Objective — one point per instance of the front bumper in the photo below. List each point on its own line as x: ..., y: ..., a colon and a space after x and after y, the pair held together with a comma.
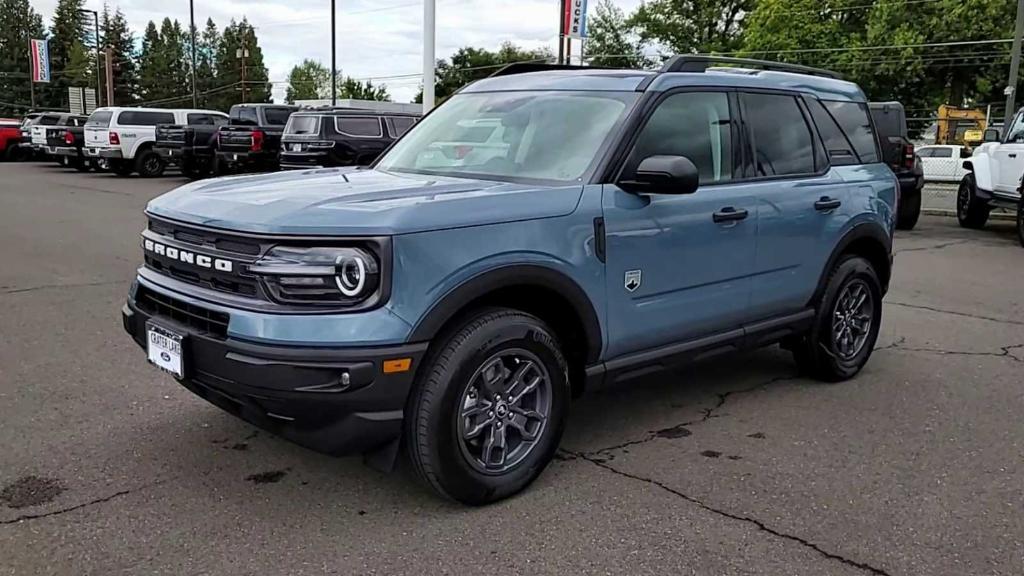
x: 109, y: 153
x: 295, y: 392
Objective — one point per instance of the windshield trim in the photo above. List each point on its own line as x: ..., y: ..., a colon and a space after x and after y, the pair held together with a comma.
x: 594, y: 172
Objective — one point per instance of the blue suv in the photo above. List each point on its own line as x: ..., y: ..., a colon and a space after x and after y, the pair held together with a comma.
x: 540, y: 233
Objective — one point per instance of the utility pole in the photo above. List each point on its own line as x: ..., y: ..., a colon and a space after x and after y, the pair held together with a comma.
x: 1011, y: 87
x: 96, y: 20
x: 109, y: 53
x: 429, y: 9
x: 334, y: 59
x: 242, y: 54
x: 192, y: 20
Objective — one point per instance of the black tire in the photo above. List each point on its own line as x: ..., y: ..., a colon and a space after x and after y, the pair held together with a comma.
x: 194, y: 170
x: 820, y: 353
x: 452, y: 377
x: 95, y: 166
x: 910, y: 210
x: 81, y: 165
x: 149, y: 164
x: 971, y: 211
x: 1020, y: 221
x: 121, y: 167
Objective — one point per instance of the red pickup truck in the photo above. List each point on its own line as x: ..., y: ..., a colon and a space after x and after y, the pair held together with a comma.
x: 10, y: 137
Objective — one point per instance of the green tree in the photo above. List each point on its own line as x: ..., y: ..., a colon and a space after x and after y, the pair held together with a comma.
x: 116, y: 35
x: 81, y: 68
x: 611, y: 41
x: 67, y: 29
x: 352, y: 88
x: 153, y: 69
x: 206, y: 53
x: 308, y: 81
x: 236, y: 36
x: 18, y: 23
x: 469, y: 64
x: 688, y: 26
x: 178, y: 80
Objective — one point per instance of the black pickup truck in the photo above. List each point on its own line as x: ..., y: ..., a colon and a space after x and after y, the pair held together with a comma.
x: 64, y: 143
x: 192, y: 147
x: 252, y: 139
x: 898, y: 152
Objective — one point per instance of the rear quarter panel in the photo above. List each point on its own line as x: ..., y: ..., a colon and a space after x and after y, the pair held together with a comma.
x: 873, y: 191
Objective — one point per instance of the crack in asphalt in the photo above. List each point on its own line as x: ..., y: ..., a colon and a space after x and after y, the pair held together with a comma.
x: 93, y: 502
x: 935, y: 247
x: 14, y: 290
x: 956, y: 313
x: 754, y: 521
x: 1006, y: 351
x: 708, y: 413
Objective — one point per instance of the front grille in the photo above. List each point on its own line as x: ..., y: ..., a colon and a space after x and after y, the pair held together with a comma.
x: 241, y: 250
x: 200, y: 319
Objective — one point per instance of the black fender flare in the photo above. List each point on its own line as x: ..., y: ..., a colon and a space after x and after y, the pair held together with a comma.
x: 513, y: 275
x: 871, y: 231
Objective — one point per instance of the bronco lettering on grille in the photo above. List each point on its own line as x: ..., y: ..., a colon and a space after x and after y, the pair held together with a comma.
x: 188, y: 257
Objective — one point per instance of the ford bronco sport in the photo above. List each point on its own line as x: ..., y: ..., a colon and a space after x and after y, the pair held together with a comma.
x: 628, y: 221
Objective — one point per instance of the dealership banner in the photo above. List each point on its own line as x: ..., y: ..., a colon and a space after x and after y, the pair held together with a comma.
x: 574, y: 21
x: 40, y: 54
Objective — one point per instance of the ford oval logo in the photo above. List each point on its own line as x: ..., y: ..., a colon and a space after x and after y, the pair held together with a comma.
x: 165, y: 356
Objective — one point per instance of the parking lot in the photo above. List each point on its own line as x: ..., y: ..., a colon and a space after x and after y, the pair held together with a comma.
x: 736, y: 467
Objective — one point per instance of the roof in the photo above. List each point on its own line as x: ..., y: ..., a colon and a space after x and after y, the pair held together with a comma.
x: 820, y: 83
x: 349, y: 112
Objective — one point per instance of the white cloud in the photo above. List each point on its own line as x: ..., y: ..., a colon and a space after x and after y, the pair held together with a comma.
x: 375, y: 39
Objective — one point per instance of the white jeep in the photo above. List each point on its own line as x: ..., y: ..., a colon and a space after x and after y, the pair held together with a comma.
x: 993, y: 178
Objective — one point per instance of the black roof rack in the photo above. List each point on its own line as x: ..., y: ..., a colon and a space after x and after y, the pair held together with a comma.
x: 695, y: 63
x: 524, y: 67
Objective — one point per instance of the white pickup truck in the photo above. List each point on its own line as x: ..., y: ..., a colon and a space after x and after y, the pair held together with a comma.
x: 993, y: 178
x: 124, y: 137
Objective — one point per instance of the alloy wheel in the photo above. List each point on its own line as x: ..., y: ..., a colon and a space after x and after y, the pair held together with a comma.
x: 851, y: 319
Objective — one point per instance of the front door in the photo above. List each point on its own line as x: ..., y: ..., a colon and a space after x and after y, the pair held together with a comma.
x: 1008, y: 158
x: 679, y: 266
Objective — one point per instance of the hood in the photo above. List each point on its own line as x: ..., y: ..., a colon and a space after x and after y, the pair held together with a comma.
x: 348, y: 201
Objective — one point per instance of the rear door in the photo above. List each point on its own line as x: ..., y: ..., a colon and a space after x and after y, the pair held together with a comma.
x: 362, y: 137
x: 679, y: 266
x: 801, y: 203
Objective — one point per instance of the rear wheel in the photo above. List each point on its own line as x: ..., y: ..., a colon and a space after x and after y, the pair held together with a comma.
x: 846, y: 326
x: 489, y: 406
x: 910, y: 210
x: 149, y: 164
x: 971, y: 211
x: 1020, y: 221
x: 81, y: 165
x: 121, y: 167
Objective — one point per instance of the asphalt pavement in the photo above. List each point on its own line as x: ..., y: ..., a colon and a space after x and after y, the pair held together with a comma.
x: 732, y: 467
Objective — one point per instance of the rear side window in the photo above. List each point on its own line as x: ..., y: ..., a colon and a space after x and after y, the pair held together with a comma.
x: 782, y: 140
x: 358, y: 126
x: 100, y: 118
x: 49, y: 120
x: 277, y: 116
x: 303, y: 125
x: 942, y: 153
x: 144, y: 118
x: 840, y: 150
x: 855, y: 122
x: 399, y: 125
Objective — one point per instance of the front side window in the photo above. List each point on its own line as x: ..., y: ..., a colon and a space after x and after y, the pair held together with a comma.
x: 782, y: 139
x: 1016, y: 131
x: 358, y: 126
x: 528, y: 135
x: 49, y: 120
x: 696, y: 125
x: 245, y: 115
x: 398, y: 125
x: 942, y: 153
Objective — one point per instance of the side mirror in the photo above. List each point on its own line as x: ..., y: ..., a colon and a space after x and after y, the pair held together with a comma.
x: 664, y: 175
x: 991, y: 135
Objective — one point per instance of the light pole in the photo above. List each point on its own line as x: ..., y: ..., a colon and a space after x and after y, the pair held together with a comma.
x: 334, y: 60
x: 192, y: 20
x: 429, y: 7
x: 1011, y: 86
x: 96, y: 20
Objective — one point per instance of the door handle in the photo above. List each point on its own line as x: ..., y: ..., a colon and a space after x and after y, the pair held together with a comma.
x: 1012, y: 155
x: 826, y: 204
x: 729, y: 214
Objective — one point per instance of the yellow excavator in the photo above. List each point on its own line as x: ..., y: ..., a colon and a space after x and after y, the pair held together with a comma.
x: 963, y: 126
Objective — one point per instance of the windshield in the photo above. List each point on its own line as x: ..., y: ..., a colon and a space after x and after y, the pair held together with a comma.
x: 302, y: 124
x: 542, y: 135
x: 100, y: 118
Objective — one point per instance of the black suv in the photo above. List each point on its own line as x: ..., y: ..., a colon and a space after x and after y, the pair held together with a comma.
x: 340, y: 137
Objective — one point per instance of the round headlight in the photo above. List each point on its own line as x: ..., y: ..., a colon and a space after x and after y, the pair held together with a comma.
x: 351, y: 278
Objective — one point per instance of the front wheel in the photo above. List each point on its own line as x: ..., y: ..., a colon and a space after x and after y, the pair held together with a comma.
x: 488, y: 408
x: 971, y: 211
x: 846, y: 325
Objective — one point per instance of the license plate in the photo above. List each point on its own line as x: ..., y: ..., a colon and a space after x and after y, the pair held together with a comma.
x: 164, y: 348
x: 92, y: 152
x: 234, y: 156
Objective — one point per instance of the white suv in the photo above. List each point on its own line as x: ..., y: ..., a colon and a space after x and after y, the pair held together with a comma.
x: 994, y: 177
x: 124, y: 137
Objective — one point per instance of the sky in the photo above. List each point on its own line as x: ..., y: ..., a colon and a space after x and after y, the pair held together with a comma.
x: 376, y: 39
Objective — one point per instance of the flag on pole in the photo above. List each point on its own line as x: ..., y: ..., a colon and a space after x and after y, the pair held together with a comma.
x: 574, y: 21
x: 40, y: 54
